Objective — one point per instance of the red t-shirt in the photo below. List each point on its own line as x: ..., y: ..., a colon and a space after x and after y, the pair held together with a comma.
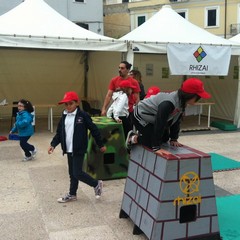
x: 114, y: 86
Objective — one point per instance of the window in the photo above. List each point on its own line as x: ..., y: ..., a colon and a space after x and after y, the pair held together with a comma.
x: 141, y: 20
x: 83, y: 25
x: 183, y: 13
x: 212, y: 17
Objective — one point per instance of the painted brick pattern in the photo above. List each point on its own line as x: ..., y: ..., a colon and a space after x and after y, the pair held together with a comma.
x: 176, y: 192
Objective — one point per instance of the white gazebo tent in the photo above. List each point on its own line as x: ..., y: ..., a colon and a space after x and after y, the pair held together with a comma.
x: 34, y: 24
x: 237, y: 108
x: 167, y: 28
x: 43, y: 54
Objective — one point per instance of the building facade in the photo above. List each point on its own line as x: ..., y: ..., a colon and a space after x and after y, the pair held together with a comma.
x: 220, y: 17
x: 85, y: 13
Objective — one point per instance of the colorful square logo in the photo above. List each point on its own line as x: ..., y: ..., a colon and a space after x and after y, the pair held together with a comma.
x: 199, y: 54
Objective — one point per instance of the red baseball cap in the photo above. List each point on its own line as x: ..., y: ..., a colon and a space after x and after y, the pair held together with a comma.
x: 126, y: 84
x: 68, y: 97
x: 152, y: 91
x: 195, y: 85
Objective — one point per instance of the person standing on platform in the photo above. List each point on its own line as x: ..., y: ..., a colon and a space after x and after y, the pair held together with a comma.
x: 138, y: 76
x: 133, y: 99
x: 119, y: 107
x: 24, y: 127
x: 157, y: 119
x: 72, y: 134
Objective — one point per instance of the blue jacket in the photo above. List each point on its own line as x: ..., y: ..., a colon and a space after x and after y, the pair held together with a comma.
x: 23, y: 124
x: 82, y: 124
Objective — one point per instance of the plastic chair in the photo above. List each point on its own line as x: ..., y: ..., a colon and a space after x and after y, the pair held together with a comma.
x: 87, y: 108
x: 14, y: 113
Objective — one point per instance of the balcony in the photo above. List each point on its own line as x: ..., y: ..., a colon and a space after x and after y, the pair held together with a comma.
x: 234, y: 29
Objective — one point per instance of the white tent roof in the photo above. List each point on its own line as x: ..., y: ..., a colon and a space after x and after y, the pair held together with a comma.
x: 167, y: 26
x: 235, y: 38
x: 35, y: 24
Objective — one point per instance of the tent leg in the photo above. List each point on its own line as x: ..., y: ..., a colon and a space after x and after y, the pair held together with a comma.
x: 86, y: 68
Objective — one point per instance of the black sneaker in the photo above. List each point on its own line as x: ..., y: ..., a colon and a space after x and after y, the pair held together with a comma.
x: 67, y: 198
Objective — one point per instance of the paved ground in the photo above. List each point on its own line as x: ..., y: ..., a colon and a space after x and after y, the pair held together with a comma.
x: 29, y: 190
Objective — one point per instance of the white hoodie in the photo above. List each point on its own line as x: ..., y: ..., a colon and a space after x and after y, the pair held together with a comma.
x: 119, y: 107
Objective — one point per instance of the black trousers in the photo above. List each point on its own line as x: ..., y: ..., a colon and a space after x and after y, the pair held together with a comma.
x: 26, y: 147
x: 146, y: 134
x: 126, y: 125
x: 76, y: 174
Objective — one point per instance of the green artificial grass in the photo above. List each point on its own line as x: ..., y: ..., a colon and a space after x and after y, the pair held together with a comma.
x: 222, y: 163
x: 226, y: 126
x: 229, y: 217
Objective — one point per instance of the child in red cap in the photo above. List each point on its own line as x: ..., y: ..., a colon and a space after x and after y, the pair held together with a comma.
x: 119, y: 109
x: 158, y: 118
x: 72, y: 134
x: 153, y: 90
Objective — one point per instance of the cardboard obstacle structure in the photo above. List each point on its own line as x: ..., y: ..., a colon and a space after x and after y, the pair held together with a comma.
x: 171, y: 198
x: 114, y: 162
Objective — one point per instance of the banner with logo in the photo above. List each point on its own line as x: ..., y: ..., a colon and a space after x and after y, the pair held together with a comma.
x: 194, y: 59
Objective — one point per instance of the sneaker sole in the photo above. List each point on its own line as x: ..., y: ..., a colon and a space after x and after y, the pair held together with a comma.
x: 127, y: 140
x: 26, y: 160
x: 62, y: 201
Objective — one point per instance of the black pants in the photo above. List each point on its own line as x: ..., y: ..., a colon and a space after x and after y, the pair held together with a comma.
x: 26, y: 147
x: 126, y: 125
x: 146, y: 134
x: 76, y: 174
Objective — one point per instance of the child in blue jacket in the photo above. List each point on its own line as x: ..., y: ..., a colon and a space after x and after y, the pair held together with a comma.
x: 72, y: 134
x: 24, y: 127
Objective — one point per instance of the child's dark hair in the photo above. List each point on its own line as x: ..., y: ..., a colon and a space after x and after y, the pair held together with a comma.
x: 184, y: 97
x: 27, y: 105
x: 128, y: 65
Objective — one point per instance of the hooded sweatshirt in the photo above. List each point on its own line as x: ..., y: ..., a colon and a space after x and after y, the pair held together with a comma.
x: 119, y: 107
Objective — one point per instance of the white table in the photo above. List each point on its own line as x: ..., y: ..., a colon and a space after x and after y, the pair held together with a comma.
x: 197, y: 109
x: 50, y: 112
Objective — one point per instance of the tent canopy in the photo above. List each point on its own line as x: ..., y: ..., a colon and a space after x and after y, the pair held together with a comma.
x: 167, y: 26
x: 167, y: 29
x: 43, y: 55
x: 34, y: 24
x: 237, y: 109
x: 235, y: 38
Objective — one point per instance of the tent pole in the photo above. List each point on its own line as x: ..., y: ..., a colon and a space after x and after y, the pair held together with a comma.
x: 225, y: 20
x: 237, y: 108
x: 86, y: 68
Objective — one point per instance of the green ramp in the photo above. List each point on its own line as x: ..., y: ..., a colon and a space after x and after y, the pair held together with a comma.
x: 229, y: 217
x: 222, y: 163
x: 225, y: 126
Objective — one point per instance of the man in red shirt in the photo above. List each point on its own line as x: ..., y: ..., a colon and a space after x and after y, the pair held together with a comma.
x: 124, y: 68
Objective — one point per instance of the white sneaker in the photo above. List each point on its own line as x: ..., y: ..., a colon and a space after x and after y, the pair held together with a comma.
x: 25, y: 159
x: 34, y: 153
x: 129, y: 141
x: 98, y: 189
